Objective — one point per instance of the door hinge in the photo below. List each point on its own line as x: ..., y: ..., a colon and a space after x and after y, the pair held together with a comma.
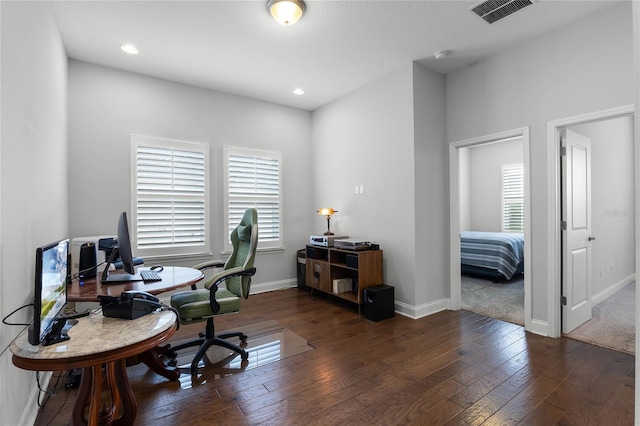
x: 563, y: 151
x: 563, y: 225
x: 563, y: 300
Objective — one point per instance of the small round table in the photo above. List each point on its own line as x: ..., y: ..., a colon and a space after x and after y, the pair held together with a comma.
x: 172, y: 277
x: 98, y: 342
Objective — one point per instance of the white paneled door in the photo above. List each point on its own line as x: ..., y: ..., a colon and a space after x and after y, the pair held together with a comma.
x: 576, y: 234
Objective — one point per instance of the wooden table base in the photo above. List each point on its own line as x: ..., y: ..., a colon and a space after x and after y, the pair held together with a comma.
x: 122, y: 407
x: 102, y: 347
x: 151, y: 359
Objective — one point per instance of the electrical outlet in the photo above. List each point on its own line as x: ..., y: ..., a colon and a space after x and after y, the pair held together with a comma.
x: 357, y: 189
x: 362, y: 189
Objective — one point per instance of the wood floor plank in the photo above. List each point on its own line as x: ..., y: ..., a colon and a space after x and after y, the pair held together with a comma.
x: 453, y: 367
x: 524, y: 402
x: 498, y: 397
x: 481, y: 387
x: 543, y: 414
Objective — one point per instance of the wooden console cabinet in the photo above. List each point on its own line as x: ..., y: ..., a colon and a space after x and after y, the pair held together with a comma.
x: 326, y: 264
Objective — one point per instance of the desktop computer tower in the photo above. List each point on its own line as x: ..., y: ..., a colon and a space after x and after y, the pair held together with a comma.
x: 379, y: 302
x: 87, y: 265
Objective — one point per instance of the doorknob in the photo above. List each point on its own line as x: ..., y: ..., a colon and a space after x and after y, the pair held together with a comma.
x: 591, y: 238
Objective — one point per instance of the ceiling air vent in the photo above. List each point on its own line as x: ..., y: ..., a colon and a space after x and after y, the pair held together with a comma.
x: 494, y: 10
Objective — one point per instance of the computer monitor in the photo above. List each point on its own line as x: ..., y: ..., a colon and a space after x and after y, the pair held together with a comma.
x: 126, y: 256
x: 51, y: 278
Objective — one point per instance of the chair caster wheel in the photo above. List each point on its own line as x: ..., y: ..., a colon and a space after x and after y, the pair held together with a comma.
x: 244, y: 355
x: 172, y: 362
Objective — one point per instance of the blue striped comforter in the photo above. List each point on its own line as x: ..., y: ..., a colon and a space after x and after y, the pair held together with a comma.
x: 499, y: 251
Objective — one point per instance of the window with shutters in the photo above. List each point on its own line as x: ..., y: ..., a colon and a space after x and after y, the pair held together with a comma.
x: 513, y: 198
x: 170, y: 197
x: 253, y: 178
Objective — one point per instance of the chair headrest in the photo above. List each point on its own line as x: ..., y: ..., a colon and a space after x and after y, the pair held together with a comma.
x: 244, y: 232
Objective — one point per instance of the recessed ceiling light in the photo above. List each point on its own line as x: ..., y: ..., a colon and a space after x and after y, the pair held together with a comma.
x: 298, y: 91
x: 129, y: 48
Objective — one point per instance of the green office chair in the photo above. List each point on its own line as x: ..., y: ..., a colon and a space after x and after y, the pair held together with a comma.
x: 204, y: 304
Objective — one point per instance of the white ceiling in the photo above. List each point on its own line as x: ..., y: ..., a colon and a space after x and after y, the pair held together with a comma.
x: 337, y: 46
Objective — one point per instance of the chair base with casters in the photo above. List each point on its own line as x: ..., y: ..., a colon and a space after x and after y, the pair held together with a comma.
x: 204, y: 304
x: 206, y: 299
x: 206, y: 340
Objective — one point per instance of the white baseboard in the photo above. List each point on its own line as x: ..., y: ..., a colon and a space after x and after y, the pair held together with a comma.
x: 605, y: 294
x: 539, y: 327
x: 255, y: 288
x: 416, y: 312
x: 411, y: 311
x: 273, y: 285
x: 30, y: 411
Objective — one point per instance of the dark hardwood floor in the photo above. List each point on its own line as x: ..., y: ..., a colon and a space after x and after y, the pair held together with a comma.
x: 450, y: 368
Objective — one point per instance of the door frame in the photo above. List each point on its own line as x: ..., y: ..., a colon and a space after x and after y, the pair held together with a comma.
x: 554, y: 202
x: 454, y: 214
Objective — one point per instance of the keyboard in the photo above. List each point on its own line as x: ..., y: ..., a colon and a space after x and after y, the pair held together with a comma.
x: 149, y: 275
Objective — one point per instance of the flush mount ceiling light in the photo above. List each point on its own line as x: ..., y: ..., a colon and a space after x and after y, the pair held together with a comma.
x: 286, y: 12
x: 298, y: 91
x: 129, y: 48
x: 441, y: 54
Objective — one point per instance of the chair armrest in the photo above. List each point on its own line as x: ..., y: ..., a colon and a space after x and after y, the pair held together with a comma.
x: 229, y: 273
x: 222, y: 276
x: 209, y: 264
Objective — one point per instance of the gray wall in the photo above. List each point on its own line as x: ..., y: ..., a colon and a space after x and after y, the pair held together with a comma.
x: 465, y: 189
x: 33, y: 176
x: 636, y: 146
x: 351, y: 140
x: 370, y: 137
x: 582, y: 68
x: 389, y: 136
x: 431, y: 194
x: 485, y: 182
x: 106, y: 106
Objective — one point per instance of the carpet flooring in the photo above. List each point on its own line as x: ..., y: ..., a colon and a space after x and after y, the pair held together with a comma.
x: 503, y: 300
x: 612, y: 324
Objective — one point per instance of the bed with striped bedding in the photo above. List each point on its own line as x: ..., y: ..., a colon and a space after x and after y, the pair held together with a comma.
x: 496, y: 255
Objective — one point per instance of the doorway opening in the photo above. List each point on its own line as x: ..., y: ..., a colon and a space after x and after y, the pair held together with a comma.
x: 610, y: 243
x: 494, y: 211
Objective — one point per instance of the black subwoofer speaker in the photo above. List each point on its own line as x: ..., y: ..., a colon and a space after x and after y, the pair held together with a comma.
x: 379, y: 302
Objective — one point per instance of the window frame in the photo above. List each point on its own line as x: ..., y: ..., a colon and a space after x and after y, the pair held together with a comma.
x: 252, y: 153
x: 504, y: 202
x: 170, y: 251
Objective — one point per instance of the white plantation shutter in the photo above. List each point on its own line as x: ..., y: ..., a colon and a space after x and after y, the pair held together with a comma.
x: 170, y: 186
x: 513, y: 198
x: 253, y: 179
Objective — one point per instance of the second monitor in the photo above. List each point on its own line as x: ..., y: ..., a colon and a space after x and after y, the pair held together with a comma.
x: 126, y: 256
